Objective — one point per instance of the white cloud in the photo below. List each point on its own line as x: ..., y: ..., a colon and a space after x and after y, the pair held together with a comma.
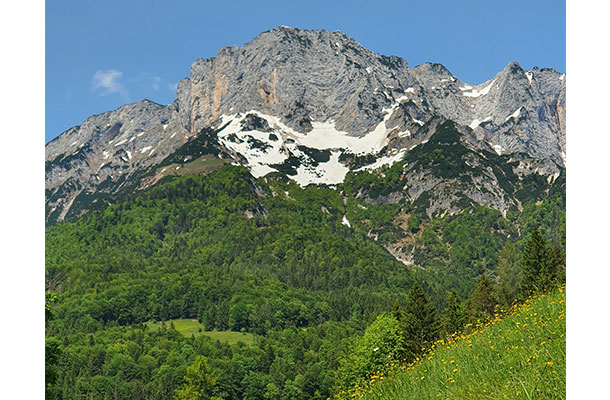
x: 107, y: 82
x: 156, y: 81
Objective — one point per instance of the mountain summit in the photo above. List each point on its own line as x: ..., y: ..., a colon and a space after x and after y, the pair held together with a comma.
x: 312, y: 105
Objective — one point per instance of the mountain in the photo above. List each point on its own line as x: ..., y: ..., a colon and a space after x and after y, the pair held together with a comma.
x: 302, y: 206
x: 316, y: 106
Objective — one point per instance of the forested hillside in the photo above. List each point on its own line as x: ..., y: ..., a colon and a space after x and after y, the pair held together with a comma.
x: 303, y: 269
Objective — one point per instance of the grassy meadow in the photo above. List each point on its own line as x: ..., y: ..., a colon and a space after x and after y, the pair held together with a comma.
x: 189, y: 327
x: 521, y: 356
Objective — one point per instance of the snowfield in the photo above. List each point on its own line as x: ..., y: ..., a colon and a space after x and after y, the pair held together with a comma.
x: 264, y: 154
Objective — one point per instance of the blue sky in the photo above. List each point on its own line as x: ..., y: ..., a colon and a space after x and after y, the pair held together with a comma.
x: 102, y: 54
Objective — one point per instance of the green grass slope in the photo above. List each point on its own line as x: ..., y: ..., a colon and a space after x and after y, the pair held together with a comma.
x: 519, y: 357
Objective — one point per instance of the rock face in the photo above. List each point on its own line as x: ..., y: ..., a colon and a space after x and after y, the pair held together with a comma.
x: 302, y: 76
x: 106, y: 150
x: 515, y: 111
x: 311, y: 104
x: 297, y: 75
x: 449, y: 172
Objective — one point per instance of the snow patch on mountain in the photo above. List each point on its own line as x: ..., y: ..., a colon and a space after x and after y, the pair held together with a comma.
x: 254, y: 145
x: 263, y: 154
x: 514, y: 115
x: 475, y: 122
x: 385, y: 160
x: 325, y: 136
x: 329, y: 173
x: 469, y: 91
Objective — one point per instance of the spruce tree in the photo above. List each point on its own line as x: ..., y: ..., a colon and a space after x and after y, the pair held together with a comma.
x: 209, y: 318
x: 509, y: 275
x: 455, y: 316
x: 483, y: 301
x: 538, y: 270
x: 558, y: 259
x: 417, y: 322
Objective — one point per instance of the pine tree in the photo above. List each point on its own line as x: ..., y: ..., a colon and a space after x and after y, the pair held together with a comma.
x: 509, y: 275
x: 417, y: 322
x: 455, y: 316
x: 483, y: 302
x: 538, y: 272
x: 209, y: 318
x: 558, y: 258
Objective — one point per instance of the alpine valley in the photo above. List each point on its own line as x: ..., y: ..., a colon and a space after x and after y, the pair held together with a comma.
x: 245, y: 241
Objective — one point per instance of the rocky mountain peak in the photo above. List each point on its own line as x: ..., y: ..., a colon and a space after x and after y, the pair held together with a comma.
x: 291, y: 39
x: 311, y: 104
x: 513, y: 67
x: 300, y: 76
x: 433, y: 69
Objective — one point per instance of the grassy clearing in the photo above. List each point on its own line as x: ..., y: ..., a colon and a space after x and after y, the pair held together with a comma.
x: 203, y: 165
x: 189, y: 327
x: 519, y: 357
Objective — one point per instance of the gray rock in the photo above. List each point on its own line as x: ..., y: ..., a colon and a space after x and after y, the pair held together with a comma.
x: 516, y: 111
x: 108, y: 148
x: 299, y: 78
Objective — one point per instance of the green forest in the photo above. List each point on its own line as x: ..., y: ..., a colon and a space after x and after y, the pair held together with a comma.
x: 270, y: 262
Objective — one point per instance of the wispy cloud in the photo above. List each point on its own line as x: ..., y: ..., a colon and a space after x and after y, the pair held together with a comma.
x: 156, y: 81
x: 106, y: 82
